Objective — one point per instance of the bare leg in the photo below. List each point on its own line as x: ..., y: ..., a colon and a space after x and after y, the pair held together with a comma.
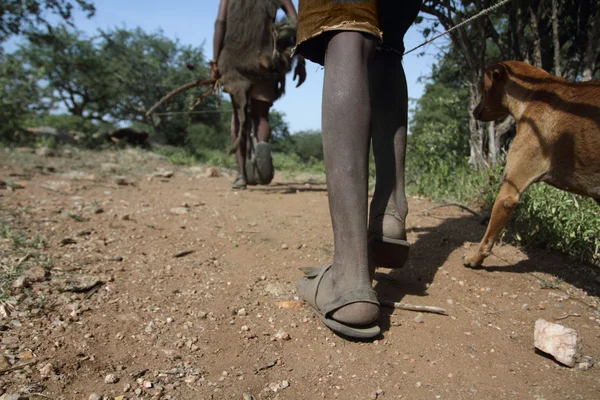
x: 240, y: 154
x: 260, y: 119
x: 389, y: 100
x: 346, y: 135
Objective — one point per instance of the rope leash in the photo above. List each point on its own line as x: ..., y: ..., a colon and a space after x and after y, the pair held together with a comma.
x: 465, y: 22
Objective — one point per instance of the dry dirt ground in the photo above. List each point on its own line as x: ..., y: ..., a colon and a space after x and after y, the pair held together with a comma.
x: 106, y: 308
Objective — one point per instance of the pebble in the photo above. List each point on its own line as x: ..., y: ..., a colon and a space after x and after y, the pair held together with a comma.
x: 95, y: 396
x: 179, y: 210
x: 282, y: 335
x: 47, y: 371
x: 284, y: 246
x: 242, y: 312
x: 419, y: 318
x: 111, y: 378
x: 245, y: 328
x: 211, y: 172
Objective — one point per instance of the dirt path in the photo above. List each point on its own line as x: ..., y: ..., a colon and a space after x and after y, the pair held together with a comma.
x: 205, y: 325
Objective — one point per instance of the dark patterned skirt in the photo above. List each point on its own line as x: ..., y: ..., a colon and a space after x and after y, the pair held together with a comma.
x: 386, y: 20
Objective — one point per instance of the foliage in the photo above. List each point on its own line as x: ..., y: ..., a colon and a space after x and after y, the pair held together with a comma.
x: 20, y: 94
x: 116, y: 76
x: 559, y: 220
x: 23, y: 16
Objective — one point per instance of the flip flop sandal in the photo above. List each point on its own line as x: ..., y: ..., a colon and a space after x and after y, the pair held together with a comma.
x: 264, y: 163
x: 349, y: 297
x: 387, y: 252
x: 239, y: 183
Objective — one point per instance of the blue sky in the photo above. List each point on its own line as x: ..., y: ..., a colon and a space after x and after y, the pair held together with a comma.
x: 192, y: 23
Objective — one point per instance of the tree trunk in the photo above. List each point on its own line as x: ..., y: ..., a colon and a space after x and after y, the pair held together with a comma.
x: 591, y: 51
x: 492, y: 155
x: 537, y: 41
x: 477, y: 154
x: 556, y: 39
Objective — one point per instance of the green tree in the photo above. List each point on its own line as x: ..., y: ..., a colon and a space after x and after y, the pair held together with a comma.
x: 20, y: 97
x: 118, y: 75
x: 23, y: 16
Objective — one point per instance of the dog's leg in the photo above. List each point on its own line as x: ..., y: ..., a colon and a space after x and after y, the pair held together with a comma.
x: 525, y: 165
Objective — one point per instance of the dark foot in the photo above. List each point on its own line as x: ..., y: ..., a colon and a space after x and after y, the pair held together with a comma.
x: 340, y: 301
x: 239, y: 183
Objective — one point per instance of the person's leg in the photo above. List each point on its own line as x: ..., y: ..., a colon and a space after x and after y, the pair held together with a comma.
x: 260, y: 119
x: 240, y: 154
x: 263, y: 162
x: 346, y: 122
x: 389, y: 101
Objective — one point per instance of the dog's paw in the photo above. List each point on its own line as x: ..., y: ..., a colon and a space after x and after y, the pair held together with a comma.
x: 473, y: 259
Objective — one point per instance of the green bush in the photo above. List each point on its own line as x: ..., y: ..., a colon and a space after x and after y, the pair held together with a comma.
x: 559, y: 220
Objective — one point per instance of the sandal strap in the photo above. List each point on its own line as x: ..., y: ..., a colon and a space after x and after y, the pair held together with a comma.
x: 366, y: 295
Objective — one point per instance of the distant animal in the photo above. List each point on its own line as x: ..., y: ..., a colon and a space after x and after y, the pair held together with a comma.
x: 250, y: 55
x: 557, y: 139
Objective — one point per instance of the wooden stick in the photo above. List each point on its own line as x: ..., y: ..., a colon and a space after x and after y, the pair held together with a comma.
x: 180, y: 89
x: 475, y: 213
x: 413, y: 307
x: 17, y: 367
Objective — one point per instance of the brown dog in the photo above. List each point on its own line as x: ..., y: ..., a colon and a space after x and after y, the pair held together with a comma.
x: 557, y: 140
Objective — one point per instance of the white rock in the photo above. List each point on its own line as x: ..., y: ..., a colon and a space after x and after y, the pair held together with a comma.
x: 179, y: 210
x: 561, y: 342
x: 95, y: 396
x: 111, y: 378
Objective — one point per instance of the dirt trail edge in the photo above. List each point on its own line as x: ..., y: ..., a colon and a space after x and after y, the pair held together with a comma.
x: 162, y: 282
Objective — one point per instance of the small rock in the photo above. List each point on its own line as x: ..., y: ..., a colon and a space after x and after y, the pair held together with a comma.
x: 163, y: 173
x: 561, y: 342
x: 123, y: 181
x: 585, y: 363
x: 284, y: 246
x: 109, y: 167
x: 377, y: 394
x: 147, y: 384
x: 419, y: 318
x: 245, y: 328
x: 179, y: 210
x: 95, y: 396
x: 21, y: 282
x: 47, y: 371
x: 126, y: 388
x: 212, y: 172
x: 117, y: 259
x: 111, y: 378
x: 242, y: 312
x: 282, y: 335
x: 44, y: 152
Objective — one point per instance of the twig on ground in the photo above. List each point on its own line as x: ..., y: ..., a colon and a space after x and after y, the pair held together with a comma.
x: 413, y: 307
x: 18, y: 367
x: 183, y: 253
x: 23, y: 259
x: 40, y: 395
x: 455, y: 204
x: 49, y: 188
x: 567, y: 316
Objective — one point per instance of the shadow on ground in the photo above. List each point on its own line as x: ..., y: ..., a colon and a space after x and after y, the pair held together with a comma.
x: 435, y: 244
